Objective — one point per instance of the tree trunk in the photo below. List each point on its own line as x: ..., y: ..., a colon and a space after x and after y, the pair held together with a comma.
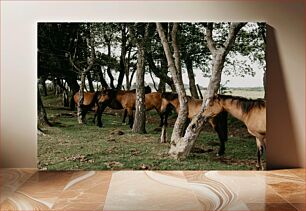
x: 80, y: 112
x: 127, y: 70
x: 102, y: 80
x: 73, y: 84
x: 109, y: 72
x: 175, y: 69
x: 140, y: 113
x: 91, y: 87
x: 122, y: 57
x: 183, y: 146
x: 132, y: 76
x: 90, y: 61
x: 192, y: 86
x: 265, y: 83
x: 43, y: 83
x: 199, y: 90
x: 154, y: 84
x: 161, y: 86
x: 161, y: 73
x: 41, y: 112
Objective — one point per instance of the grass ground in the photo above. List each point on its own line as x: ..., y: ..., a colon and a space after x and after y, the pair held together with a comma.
x: 68, y: 145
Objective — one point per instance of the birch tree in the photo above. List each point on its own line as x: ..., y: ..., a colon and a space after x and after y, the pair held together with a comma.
x: 140, y: 35
x: 83, y: 71
x: 181, y: 145
x: 174, y: 66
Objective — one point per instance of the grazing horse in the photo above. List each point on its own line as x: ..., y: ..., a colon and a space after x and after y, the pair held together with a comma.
x: 118, y: 99
x: 251, y: 112
x: 89, y: 103
x: 219, y: 123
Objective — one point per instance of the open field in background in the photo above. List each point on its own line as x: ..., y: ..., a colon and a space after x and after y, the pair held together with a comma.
x: 253, y: 93
x: 68, y: 145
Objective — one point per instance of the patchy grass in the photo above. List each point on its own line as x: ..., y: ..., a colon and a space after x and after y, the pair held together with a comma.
x: 68, y: 145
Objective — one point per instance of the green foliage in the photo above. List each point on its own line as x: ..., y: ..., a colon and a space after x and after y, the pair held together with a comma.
x: 58, y: 41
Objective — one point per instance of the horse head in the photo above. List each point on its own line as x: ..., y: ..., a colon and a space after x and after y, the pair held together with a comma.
x: 213, y: 107
x: 104, y: 95
x: 167, y: 98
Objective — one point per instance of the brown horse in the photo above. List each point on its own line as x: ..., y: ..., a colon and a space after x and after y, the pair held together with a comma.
x: 219, y: 123
x: 251, y: 112
x: 91, y: 99
x: 118, y: 99
x: 89, y: 103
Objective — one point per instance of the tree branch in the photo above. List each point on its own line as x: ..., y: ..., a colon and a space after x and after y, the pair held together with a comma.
x: 175, y: 48
x: 233, y: 31
x: 210, y: 42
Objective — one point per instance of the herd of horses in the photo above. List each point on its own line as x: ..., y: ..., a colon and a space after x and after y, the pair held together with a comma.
x: 250, y: 111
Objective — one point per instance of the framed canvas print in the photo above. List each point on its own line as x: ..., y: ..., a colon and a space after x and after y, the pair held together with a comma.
x: 151, y: 96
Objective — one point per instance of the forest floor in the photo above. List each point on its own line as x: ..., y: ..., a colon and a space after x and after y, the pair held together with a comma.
x: 68, y: 145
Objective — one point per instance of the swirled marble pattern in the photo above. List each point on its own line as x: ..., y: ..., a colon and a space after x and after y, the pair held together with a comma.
x: 28, y: 189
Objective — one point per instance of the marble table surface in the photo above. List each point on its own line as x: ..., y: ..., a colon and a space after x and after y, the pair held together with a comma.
x: 30, y: 189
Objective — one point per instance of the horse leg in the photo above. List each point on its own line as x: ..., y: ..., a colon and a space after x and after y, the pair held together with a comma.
x: 219, y: 123
x: 94, y: 119
x: 83, y: 114
x: 163, y: 137
x: 101, y: 109
x: 124, y: 116
x: 131, y: 119
x: 161, y: 123
x: 260, y: 150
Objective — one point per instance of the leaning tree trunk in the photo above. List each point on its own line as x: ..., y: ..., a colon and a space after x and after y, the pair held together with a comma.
x: 175, y: 69
x: 102, y: 80
x: 41, y: 112
x: 192, y: 85
x: 161, y: 72
x: 182, y: 148
x: 161, y: 86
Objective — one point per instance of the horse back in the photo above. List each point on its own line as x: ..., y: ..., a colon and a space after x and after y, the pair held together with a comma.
x: 126, y: 99
x: 88, y: 98
x: 153, y: 100
x: 194, y: 106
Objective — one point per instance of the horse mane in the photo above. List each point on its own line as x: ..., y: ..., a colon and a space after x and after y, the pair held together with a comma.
x: 169, y: 96
x: 246, y: 104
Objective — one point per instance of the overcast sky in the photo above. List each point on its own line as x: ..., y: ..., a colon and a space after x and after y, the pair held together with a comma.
x: 234, y: 81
